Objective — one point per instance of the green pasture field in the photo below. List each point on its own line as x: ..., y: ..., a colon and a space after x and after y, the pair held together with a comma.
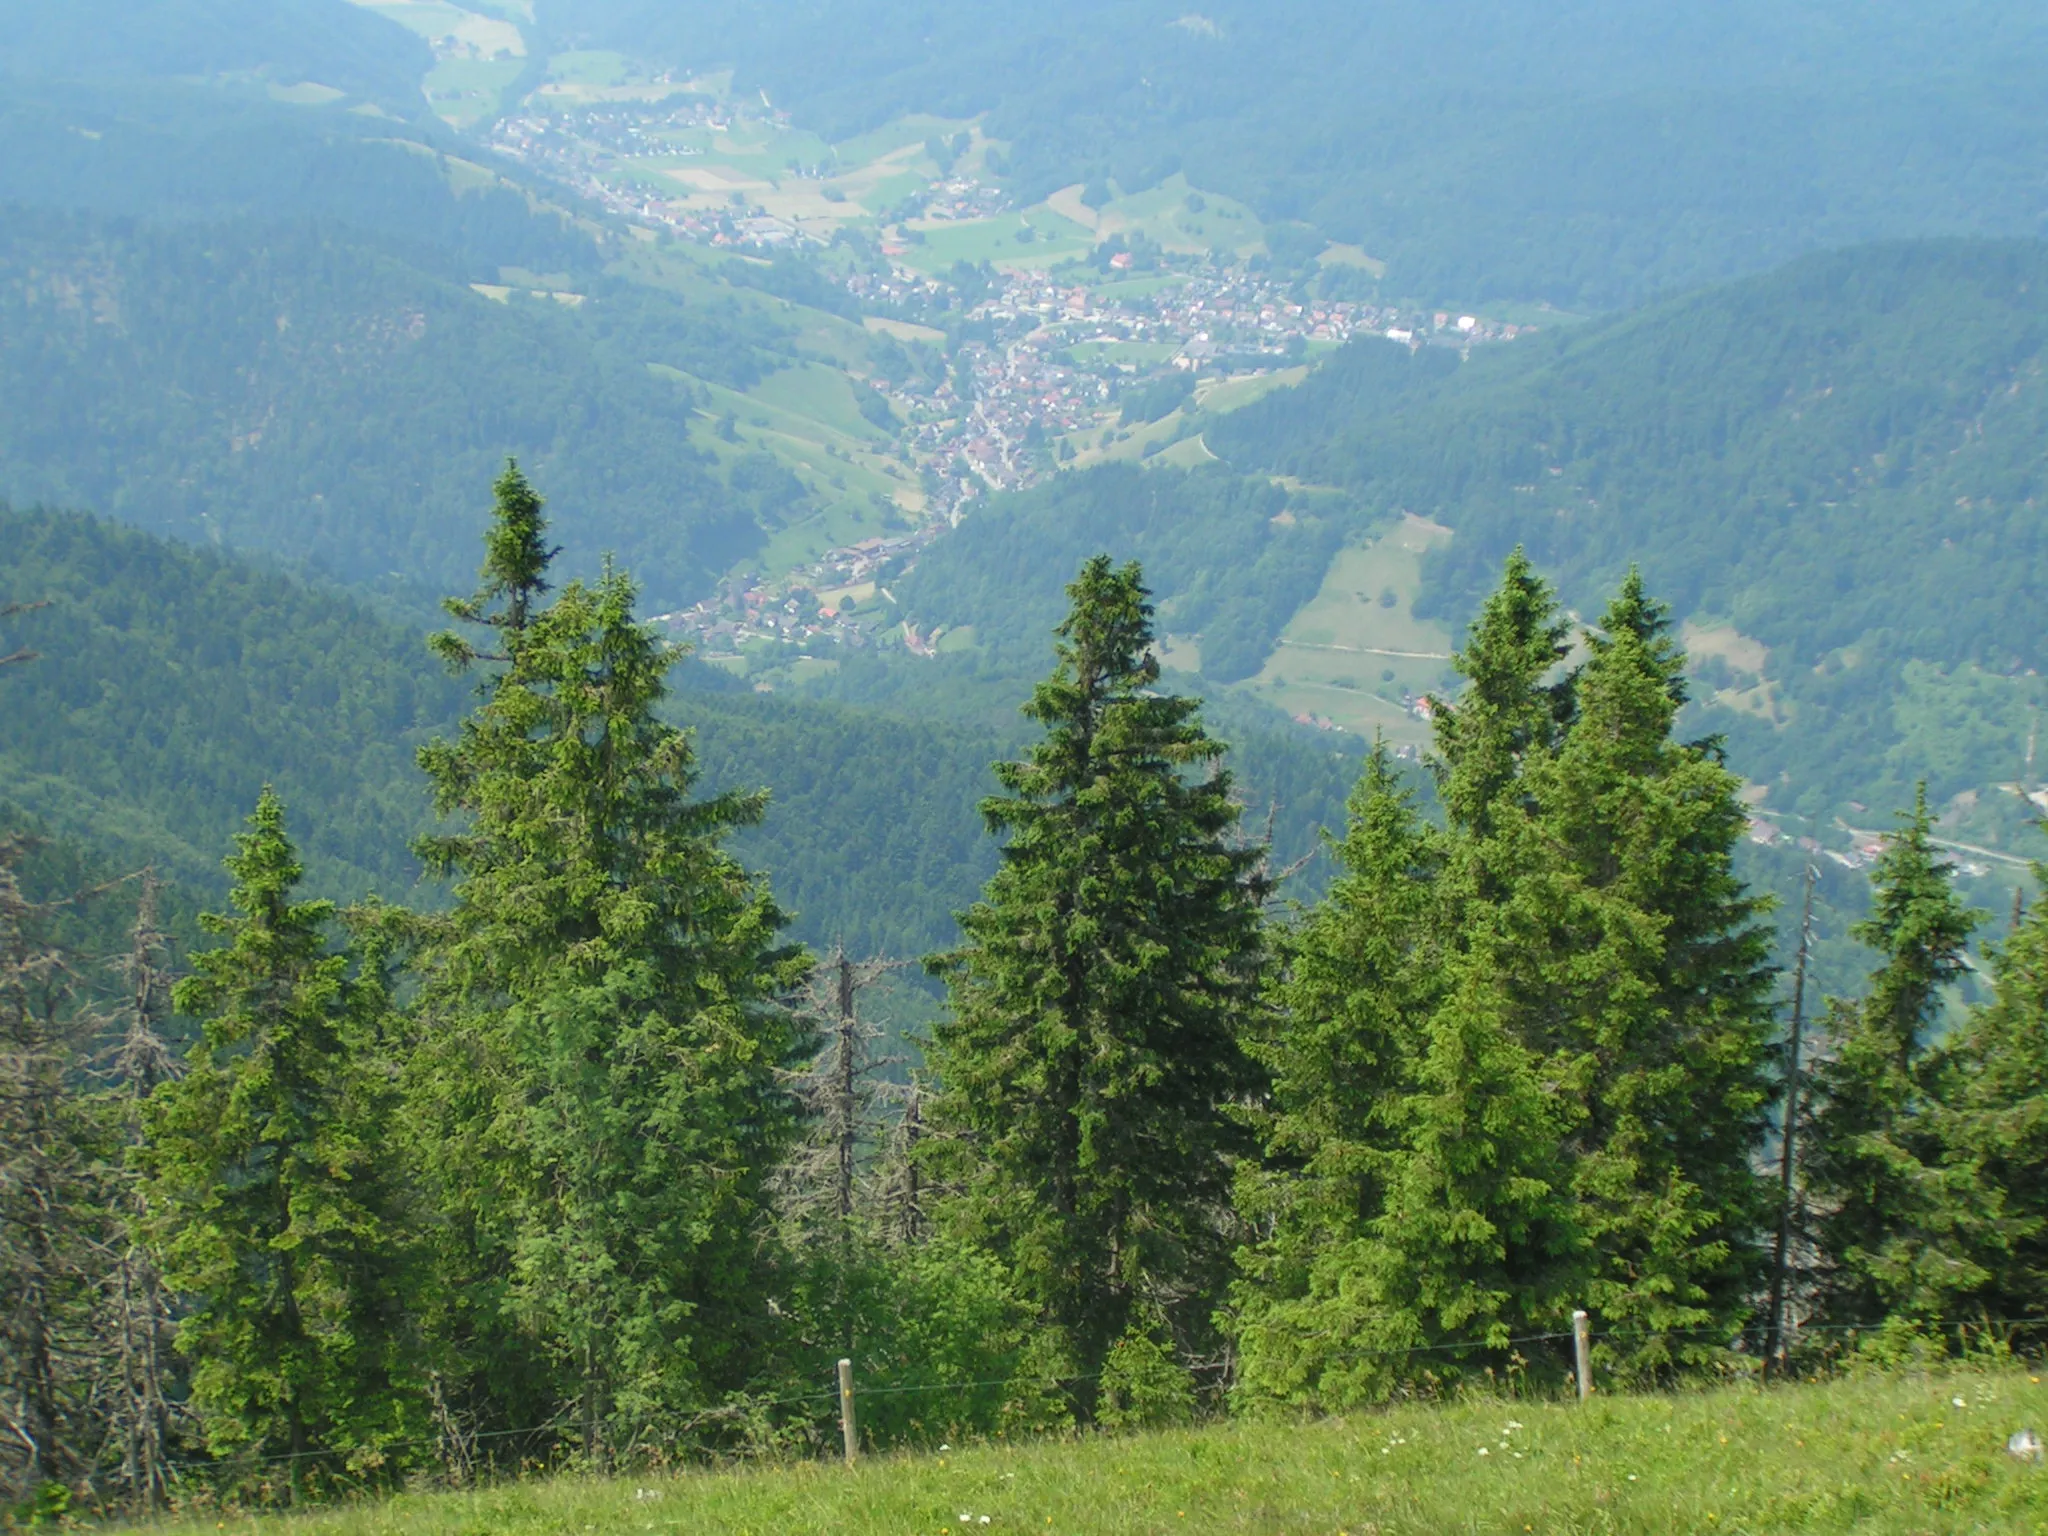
x: 1236, y: 393
x: 466, y: 91
x: 1163, y: 215
x: 1875, y: 1455
x: 902, y: 133
x: 1334, y: 656
x: 1054, y: 238
x: 589, y: 66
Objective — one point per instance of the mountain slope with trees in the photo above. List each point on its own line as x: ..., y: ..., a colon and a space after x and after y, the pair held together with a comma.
x: 1840, y: 460
x: 305, y: 393
x: 171, y: 683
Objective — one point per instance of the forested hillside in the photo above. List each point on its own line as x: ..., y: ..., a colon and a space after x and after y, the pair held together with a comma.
x: 1231, y: 556
x: 303, y: 392
x: 176, y: 151
x: 1840, y: 460
x: 282, y: 42
x: 1588, y: 156
x: 171, y: 683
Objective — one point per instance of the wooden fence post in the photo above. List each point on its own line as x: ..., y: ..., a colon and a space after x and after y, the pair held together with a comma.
x: 1582, y: 1351
x: 847, y: 1429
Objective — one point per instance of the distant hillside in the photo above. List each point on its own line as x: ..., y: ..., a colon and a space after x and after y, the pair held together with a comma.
x: 302, y: 392
x: 1589, y: 154
x: 187, y: 153
x: 284, y: 42
x: 1837, y: 468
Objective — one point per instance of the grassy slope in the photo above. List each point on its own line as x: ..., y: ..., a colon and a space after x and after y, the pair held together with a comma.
x: 1875, y: 1455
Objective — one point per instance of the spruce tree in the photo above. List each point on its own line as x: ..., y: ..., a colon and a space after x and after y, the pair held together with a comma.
x: 1506, y: 709
x: 596, y: 1089
x: 1658, y: 983
x: 1520, y: 1063
x: 1092, y: 1057
x: 1993, y: 1083
x: 1354, y: 982
x: 1895, y: 1216
x: 272, y: 1190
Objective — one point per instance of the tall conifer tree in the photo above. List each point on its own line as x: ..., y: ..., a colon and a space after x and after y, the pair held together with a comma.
x: 1660, y: 985
x: 1894, y: 1214
x: 1994, y: 1087
x: 271, y: 1185
x: 1354, y: 981
x: 1562, y: 1000
x: 596, y: 1090
x: 1092, y: 1055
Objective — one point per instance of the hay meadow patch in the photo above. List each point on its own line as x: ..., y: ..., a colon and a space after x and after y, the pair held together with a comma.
x: 1357, y: 649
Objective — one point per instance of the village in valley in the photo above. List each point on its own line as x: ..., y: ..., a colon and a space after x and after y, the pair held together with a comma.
x: 1084, y: 327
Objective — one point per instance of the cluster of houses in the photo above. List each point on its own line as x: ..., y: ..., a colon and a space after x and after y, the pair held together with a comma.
x: 831, y: 600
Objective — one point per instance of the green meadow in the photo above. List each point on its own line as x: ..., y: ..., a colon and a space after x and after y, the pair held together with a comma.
x: 1879, y: 1455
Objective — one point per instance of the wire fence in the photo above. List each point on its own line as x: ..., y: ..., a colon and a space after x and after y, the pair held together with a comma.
x: 1731, y: 1341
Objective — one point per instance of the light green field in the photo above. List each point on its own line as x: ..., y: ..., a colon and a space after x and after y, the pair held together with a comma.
x: 1162, y: 214
x: 1235, y: 394
x: 1154, y: 442
x: 818, y: 394
x: 306, y: 93
x: 467, y: 91
x: 1873, y: 1455
x: 1188, y: 453
x: 485, y: 36
x: 1053, y: 239
x: 595, y: 70
x: 806, y: 417
x: 1335, y: 655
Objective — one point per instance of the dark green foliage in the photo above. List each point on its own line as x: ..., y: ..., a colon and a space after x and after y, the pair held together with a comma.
x: 52, y: 1200
x: 1667, y: 982
x: 174, y: 683
x: 1840, y: 459
x: 271, y: 1189
x: 870, y: 826
x: 1161, y: 397
x: 1518, y: 1064
x: 1894, y: 1216
x: 795, y: 279
x: 312, y: 396
x: 1353, y: 977
x: 1995, y: 1091
x: 1223, y: 567
x: 1092, y: 1051
x: 595, y: 1097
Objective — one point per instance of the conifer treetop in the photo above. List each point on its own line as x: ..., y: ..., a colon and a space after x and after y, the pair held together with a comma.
x: 1505, y: 710
x: 516, y: 560
x: 1917, y: 922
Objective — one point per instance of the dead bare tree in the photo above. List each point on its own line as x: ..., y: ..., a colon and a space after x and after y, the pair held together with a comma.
x: 48, y: 1206
x: 138, y: 1325
x: 8, y: 611
x: 846, y: 1099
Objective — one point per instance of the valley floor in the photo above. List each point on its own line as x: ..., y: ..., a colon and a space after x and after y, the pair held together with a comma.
x: 1896, y: 1453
